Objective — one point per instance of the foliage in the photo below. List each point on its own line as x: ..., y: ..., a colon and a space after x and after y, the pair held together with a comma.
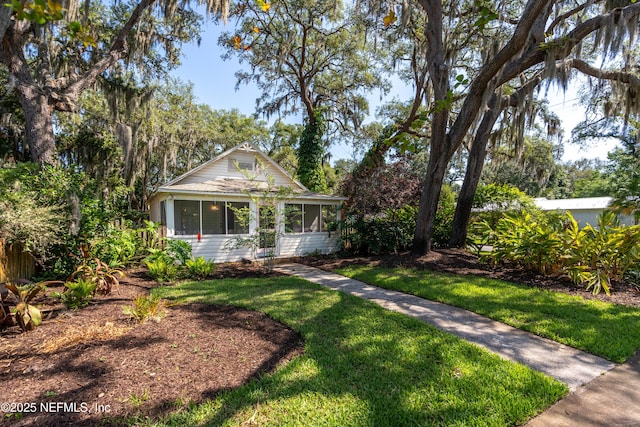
x: 311, y: 152
x: 178, y: 250
x: 78, y: 293
x: 95, y: 271
x: 26, y: 315
x: 145, y: 307
x: 391, y: 232
x: 596, y: 256
x: 389, y: 186
x: 118, y: 247
x: 444, y: 217
x: 534, y: 244
x: 5, y: 310
x: 162, y: 268
x: 200, y: 268
x: 549, y: 244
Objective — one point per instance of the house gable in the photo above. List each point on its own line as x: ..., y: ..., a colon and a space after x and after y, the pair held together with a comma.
x: 234, y: 170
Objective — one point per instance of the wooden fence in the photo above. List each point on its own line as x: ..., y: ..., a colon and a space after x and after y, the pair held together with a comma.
x: 15, y: 263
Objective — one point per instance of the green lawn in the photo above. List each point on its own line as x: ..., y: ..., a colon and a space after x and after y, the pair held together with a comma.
x: 607, y: 330
x: 363, y: 366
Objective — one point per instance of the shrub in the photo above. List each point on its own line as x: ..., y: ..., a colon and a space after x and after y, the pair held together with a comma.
x: 162, y: 268
x: 178, y: 250
x: 390, y: 233
x: 199, y: 268
x: 78, y: 293
x: 597, y: 256
x: 95, y: 271
x: 144, y: 308
x: 118, y: 248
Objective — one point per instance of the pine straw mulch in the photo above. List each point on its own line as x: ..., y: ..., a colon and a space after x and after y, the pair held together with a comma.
x: 110, y: 367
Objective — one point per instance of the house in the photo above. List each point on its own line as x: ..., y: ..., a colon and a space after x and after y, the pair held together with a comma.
x: 584, y: 210
x: 204, y: 207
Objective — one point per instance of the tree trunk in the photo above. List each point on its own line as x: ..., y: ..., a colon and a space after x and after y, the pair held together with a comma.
x: 475, y: 163
x: 38, y: 125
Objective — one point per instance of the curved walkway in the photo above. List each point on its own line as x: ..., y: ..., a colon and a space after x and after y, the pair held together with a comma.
x: 573, y: 367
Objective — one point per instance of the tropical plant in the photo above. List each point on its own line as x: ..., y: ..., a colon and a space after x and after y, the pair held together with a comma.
x: 78, y: 293
x: 178, y: 250
x: 145, y: 307
x: 25, y: 314
x: 98, y: 272
x: 596, y: 257
x: 200, y: 268
x: 5, y: 307
x: 533, y: 243
x: 162, y: 268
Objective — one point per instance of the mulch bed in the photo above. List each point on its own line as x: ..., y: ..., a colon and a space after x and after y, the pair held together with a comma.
x: 111, y: 367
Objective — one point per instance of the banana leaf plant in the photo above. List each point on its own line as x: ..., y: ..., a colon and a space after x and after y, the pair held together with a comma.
x: 25, y: 314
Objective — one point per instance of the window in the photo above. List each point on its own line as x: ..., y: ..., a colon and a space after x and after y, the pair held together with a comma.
x: 187, y: 217
x: 213, y: 217
x: 329, y: 217
x: 236, y: 165
x: 217, y: 217
x: 309, y: 218
x: 163, y: 213
x: 235, y: 213
x: 293, y: 218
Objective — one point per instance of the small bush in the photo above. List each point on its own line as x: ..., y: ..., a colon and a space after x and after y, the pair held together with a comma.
x: 145, y: 307
x: 390, y: 233
x: 79, y: 293
x: 98, y: 272
x: 162, y: 268
x: 178, y: 250
x: 199, y: 268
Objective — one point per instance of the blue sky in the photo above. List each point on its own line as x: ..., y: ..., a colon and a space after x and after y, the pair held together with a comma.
x: 214, y: 84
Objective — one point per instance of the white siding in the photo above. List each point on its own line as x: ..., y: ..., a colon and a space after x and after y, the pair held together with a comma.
x: 300, y: 244
x: 216, y: 249
x: 221, y: 169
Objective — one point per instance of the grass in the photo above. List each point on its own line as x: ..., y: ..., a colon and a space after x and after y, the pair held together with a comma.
x: 362, y: 366
x: 608, y: 330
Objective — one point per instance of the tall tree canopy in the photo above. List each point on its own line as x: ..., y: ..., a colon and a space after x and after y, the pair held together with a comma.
x: 56, y: 50
x: 306, y: 56
x: 514, y: 45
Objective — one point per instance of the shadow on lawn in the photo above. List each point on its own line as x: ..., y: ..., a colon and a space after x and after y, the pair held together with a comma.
x: 393, y: 369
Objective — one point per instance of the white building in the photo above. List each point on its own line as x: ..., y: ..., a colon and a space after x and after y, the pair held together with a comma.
x: 201, y: 208
x: 584, y: 210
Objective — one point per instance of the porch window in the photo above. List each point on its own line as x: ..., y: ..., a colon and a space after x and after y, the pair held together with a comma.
x: 235, y: 224
x: 187, y: 217
x: 293, y: 218
x: 209, y: 217
x: 213, y: 217
x: 309, y: 218
x: 329, y: 217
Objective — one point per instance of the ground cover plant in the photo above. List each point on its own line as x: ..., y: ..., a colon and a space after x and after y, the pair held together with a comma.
x: 608, y: 330
x: 362, y: 365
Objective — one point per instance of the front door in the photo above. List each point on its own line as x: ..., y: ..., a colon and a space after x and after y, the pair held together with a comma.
x: 267, y: 230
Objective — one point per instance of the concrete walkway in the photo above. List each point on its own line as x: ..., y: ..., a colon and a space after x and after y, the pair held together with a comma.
x: 605, y: 400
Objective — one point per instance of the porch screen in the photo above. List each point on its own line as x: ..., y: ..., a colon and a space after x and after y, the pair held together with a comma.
x: 187, y: 217
x: 213, y: 217
x: 235, y: 222
x: 311, y: 218
x: 293, y: 218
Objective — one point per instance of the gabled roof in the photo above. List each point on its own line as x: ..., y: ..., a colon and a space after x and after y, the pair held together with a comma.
x: 246, y: 147
x: 236, y: 186
x: 573, y: 204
